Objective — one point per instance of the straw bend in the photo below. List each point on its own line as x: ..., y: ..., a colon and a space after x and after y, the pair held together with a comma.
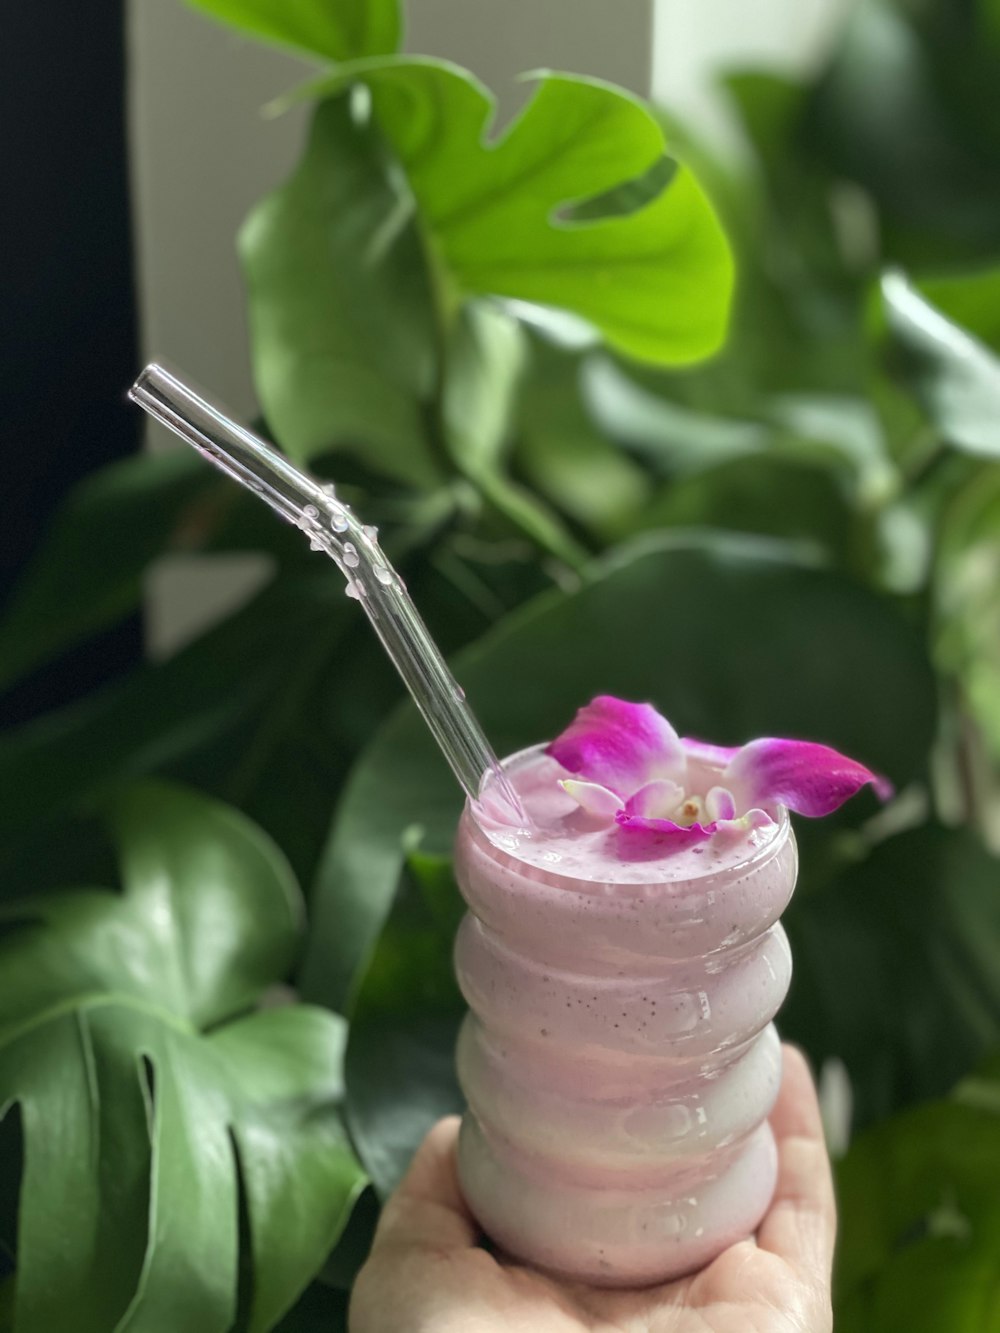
x: 331, y: 526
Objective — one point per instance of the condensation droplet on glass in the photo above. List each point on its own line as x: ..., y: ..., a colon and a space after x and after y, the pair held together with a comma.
x: 459, y: 694
x: 353, y: 591
x: 383, y: 575
x: 330, y: 490
x: 351, y: 557
x: 315, y: 544
x: 310, y: 511
x: 338, y: 521
x: 370, y: 532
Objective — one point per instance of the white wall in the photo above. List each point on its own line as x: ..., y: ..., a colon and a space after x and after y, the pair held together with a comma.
x: 202, y: 153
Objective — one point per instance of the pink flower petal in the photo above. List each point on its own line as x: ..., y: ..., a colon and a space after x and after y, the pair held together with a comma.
x: 675, y: 836
x: 720, y: 804
x: 619, y: 745
x: 809, y: 778
x: 658, y: 799
x: 594, y: 798
x: 707, y: 753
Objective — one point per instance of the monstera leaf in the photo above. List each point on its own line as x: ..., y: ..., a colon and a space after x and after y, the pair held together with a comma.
x: 501, y: 216
x: 185, y: 1166
x: 335, y: 30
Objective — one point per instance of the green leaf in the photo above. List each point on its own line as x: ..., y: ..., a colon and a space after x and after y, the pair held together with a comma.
x: 563, y: 454
x: 218, y: 699
x: 335, y: 29
x: 486, y: 357
x: 970, y: 300
x: 898, y: 967
x: 967, y: 596
x: 341, y: 312
x: 90, y: 569
x: 400, y: 1055
x: 88, y: 572
x: 908, y: 110
x: 955, y: 378
x: 713, y: 629
x: 151, y: 1102
x: 919, y: 1243
x: 770, y: 495
x: 493, y: 212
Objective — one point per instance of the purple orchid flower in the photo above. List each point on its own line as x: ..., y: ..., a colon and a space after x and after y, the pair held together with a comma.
x: 632, y: 768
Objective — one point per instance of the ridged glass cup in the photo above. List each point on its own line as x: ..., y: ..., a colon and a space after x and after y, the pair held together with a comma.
x: 619, y: 1060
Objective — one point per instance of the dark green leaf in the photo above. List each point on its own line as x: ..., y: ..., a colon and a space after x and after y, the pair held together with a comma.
x: 335, y: 30
x: 773, y: 496
x: 148, y: 1102
x: 341, y: 311
x: 320, y: 1309
x: 88, y: 573
x: 656, y: 282
x: 920, y: 1224
x: 898, y: 967
x: 400, y: 1056
x: 955, y: 378
x: 714, y: 630
x: 232, y: 683
x: 909, y: 111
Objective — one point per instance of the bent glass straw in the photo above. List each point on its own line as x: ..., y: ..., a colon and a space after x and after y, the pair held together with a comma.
x: 331, y: 527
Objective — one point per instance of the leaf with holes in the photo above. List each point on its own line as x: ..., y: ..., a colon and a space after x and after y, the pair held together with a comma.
x: 189, y: 1144
x: 503, y: 216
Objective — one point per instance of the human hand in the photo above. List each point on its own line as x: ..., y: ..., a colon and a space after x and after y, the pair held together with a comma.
x: 428, y: 1274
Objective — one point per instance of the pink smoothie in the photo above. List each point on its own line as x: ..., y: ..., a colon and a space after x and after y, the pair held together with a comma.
x: 619, y: 1059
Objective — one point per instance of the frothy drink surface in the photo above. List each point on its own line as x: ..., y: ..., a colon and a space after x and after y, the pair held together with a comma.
x: 619, y: 1058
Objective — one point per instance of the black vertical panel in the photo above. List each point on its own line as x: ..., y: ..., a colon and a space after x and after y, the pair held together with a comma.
x: 67, y: 311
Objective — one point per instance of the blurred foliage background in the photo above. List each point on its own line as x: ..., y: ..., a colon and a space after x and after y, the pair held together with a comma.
x: 632, y: 416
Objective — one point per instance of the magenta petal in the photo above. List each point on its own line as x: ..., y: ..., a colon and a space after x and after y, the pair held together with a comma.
x: 619, y: 745
x: 810, y: 779
x: 676, y: 836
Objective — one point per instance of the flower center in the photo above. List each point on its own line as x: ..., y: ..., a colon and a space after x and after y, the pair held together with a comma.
x: 690, y: 811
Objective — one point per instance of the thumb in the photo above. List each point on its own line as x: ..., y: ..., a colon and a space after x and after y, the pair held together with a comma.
x: 427, y: 1209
